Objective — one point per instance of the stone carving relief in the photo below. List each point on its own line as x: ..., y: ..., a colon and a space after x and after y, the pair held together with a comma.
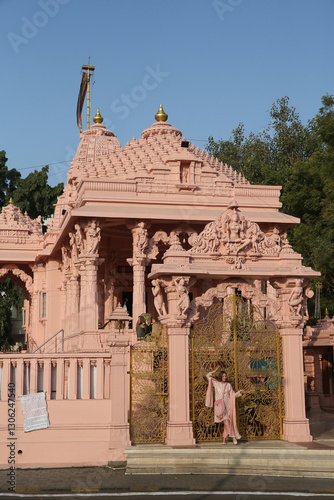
x: 173, y: 240
x: 66, y: 258
x: 84, y: 241
x: 159, y: 303
x: 292, y: 300
x: 183, y: 301
x: 231, y: 235
x: 295, y: 300
x: 140, y: 238
x: 78, y: 240
x: 93, y: 238
x: 223, y: 290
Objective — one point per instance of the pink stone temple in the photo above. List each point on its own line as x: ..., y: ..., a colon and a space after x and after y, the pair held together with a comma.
x: 162, y: 231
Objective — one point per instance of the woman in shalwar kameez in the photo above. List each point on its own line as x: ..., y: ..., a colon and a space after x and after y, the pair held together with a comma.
x: 224, y: 406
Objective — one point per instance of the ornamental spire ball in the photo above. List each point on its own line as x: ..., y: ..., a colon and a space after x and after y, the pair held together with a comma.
x: 161, y: 115
x: 98, y: 118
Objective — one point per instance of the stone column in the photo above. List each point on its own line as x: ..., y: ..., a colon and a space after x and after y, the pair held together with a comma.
x: 63, y: 305
x: 82, y: 304
x: 75, y: 295
x: 119, y: 396
x: 138, y: 263
x: 91, y: 306
x: 179, y: 425
x: 138, y: 298
x: 295, y: 424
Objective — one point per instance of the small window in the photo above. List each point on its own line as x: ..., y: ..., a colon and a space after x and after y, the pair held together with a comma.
x: 43, y: 305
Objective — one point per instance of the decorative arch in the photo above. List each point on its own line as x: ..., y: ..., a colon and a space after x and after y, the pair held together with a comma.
x: 223, y: 290
x: 19, y: 273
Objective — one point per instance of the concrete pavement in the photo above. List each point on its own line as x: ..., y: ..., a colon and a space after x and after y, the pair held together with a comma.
x: 113, y: 478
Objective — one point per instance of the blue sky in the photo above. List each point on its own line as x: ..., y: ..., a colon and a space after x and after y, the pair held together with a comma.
x: 211, y: 63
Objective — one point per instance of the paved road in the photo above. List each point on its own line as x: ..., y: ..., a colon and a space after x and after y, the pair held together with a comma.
x: 182, y: 495
x: 93, y: 481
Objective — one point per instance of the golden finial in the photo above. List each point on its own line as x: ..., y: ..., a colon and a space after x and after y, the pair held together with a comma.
x: 326, y: 313
x: 11, y: 201
x: 161, y: 115
x: 98, y: 118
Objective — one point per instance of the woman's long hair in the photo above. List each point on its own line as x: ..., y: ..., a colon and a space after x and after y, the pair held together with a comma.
x: 219, y: 374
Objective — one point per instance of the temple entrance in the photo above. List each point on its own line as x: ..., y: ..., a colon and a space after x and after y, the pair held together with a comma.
x: 236, y: 336
x: 149, y: 388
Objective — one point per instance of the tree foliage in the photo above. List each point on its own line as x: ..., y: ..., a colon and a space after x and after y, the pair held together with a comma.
x: 10, y: 296
x: 35, y: 196
x: 32, y: 193
x: 300, y: 158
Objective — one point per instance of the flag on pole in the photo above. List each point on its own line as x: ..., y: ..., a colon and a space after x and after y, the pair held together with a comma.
x: 81, y: 99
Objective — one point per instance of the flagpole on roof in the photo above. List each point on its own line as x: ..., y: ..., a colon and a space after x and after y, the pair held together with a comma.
x: 89, y: 70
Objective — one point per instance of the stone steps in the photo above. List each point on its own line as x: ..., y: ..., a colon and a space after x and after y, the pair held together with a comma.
x: 295, y: 461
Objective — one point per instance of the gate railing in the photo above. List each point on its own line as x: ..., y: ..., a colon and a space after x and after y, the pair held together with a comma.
x: 149, y: 390
x: 235, y: 335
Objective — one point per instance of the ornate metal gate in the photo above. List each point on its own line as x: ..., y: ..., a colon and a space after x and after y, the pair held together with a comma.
x: 149, y: 389
x: 235, y: 335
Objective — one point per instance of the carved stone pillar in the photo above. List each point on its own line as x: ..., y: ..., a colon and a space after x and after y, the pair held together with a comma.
x: 82, y: 304
x: 119, y: 395
x: 295, y: 424
x: 138, y: 263
x: 75, y: 295
x: 91, y: 302
x: 179, y: 425
x: 63, y: 305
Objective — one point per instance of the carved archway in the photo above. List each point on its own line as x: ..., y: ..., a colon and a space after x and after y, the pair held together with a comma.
x: 249, y: 290
x: 22, y: 276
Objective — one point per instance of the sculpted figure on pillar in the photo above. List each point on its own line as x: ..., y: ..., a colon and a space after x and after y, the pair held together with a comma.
x: 66, y: 258
x: 93, y: 237
x: 140, y: 238
x: 295, y: 300
x: 79, y: 239
x: 183, y: 302
x: 174, y: 241
x: 74, y: 248
x: 159, y: 303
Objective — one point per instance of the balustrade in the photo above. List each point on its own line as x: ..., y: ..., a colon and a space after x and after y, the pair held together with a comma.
x: 60, y: 376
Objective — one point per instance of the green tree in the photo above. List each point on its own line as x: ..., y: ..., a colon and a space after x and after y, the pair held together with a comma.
x: 309, y: 194
x: 266, y: 157
x: 300, y: 158
x: 35, y: 196
x: 10, y: 296
x: 9, y: 180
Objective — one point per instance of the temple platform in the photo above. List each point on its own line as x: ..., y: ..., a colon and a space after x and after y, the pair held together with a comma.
x: 262, y: 457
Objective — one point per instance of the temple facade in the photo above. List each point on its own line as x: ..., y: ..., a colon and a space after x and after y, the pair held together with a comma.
x: 160, y: 262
